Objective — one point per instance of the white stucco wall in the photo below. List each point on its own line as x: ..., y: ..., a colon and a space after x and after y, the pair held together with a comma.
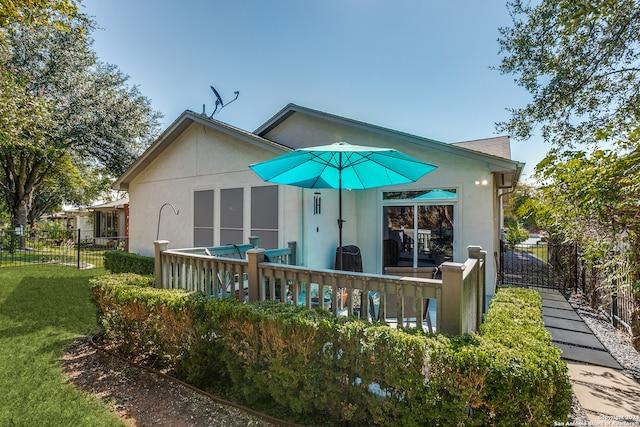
x: 200, y: 159
x: 203, y: 158
x: 475, y: 214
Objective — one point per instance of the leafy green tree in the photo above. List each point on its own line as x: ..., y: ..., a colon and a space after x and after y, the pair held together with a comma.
x: 69, y: 185
x: 515, y: 233
x: 60, y: 104
x: 34, y: 12
x: 519, y: 207
x: 580, y: 61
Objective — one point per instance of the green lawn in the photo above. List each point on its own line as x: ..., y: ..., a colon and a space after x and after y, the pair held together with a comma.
x: 540, y: 251
x: 42, y: 309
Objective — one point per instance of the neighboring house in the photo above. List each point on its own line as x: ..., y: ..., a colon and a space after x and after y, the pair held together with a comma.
x: 200, y: 166
x: 110, y: 222
x: 74, y: 219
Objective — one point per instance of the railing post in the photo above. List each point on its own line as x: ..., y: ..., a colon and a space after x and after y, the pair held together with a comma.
x: 452, y: 282
x: 253, y: 240
x: 476, y: 252
x: 160, y: 246
x: 254, y: 258
x: 293, y: 247
x: 483, y: 284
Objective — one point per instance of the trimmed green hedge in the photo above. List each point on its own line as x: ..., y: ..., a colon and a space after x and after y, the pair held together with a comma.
x: 346, y: 371
x: 125, y: 262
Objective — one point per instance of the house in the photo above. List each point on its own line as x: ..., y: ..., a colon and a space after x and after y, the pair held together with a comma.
x: 200, y: 166
x: 110, y: 222
x: 73, y: 219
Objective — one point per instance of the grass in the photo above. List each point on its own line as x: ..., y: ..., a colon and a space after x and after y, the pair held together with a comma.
x: 42, y: 310
x: 52, y: 255
x: 539, y: 251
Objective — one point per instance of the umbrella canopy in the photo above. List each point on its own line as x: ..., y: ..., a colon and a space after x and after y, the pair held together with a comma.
x: 358, y: 167
x: 342, y: 165
x: 436, y: 194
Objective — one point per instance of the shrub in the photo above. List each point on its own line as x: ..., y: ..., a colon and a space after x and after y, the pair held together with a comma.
x: 147, y: 324
x: 343, y: 370
x: 125, y: 262
x: 515, y: 233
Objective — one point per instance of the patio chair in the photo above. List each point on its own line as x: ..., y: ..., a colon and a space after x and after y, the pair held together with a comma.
x: 422, y: 272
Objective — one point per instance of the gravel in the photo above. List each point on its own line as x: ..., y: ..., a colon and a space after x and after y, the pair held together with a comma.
x: 615, y: 341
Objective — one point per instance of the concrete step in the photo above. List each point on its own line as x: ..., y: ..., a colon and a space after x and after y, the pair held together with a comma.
x: 568, y: 324
x: 575, y: 338
x: 624, y: 407
x: 603, y: 377
x: 562, y: 305
x: 560, y: 313
x: 587, y: 355
x: 552, y: 295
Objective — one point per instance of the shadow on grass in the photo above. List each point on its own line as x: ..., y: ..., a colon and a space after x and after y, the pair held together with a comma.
x: 42, y: 309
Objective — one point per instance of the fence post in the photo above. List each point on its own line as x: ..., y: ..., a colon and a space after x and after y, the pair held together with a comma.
x: 575, y: 286
x: 451, y: 297
x: 79, y: 249
x: 160, y: 246
x: 254, y: 258
x: 253, y: 240
x: 614, y: 305
x: 293, y: 247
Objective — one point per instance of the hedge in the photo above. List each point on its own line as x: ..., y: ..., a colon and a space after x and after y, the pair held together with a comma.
x: 346, y: 371
x: 125, y: 262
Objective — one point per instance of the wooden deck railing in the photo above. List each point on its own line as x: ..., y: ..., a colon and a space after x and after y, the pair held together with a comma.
x: 459, y: 295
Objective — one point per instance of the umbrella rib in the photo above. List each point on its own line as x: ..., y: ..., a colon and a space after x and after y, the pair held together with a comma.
x: 367, y: 158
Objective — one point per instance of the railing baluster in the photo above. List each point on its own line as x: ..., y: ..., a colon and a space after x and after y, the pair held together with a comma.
x: 218, y: 276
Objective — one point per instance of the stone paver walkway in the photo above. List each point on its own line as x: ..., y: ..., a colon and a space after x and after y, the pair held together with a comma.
x: 609, y: 396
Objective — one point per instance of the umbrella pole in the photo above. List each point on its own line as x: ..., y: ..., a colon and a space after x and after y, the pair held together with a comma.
x: 340, y: 220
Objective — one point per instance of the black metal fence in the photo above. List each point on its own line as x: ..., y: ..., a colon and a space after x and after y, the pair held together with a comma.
x: 64, y: 247
x: 539, y: 265
x: 560, y: 266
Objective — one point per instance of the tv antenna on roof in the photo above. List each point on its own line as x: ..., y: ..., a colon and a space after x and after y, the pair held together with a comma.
x: 219, y: 104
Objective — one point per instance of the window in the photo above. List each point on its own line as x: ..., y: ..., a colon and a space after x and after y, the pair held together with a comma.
x: 264, y: 215
x: 107, y: 225
x: 418, y: 227
x: 231, y: 216
x: 203, y: 218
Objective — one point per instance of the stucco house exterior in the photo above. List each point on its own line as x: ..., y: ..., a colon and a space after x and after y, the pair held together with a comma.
x: 110, y: 222
x: 200, y: 166
x: 73, y: 219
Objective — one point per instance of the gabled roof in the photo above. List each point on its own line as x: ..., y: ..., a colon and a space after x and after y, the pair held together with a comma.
x: 498, y: 146
x: 174, y: 130
x: 469, y: 149
x: 497, y: 163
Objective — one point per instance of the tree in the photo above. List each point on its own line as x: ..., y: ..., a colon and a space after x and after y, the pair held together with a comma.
x: 59, y: 103
x: 34, y: 12
x: 515, y: 233
x: 70, y: 185
x: 519, y: 207
x: 579, y: 59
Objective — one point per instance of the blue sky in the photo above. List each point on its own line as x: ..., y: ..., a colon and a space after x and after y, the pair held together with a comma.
x: 418, y: 66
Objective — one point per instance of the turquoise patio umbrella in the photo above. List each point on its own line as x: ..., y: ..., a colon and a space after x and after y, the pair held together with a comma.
x: 436, y: 194
x: 342, y: 165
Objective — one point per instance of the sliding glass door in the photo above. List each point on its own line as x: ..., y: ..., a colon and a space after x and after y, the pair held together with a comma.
x: 417, y: 230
